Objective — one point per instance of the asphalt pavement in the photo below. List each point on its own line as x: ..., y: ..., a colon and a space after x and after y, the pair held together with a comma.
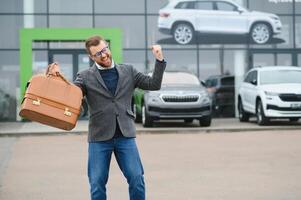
x: 249, y: 165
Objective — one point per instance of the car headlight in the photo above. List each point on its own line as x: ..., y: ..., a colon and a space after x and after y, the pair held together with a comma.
x: 153, y: 97
x: 271, y: 93
x: 206, y: 100
x: 275, y: 18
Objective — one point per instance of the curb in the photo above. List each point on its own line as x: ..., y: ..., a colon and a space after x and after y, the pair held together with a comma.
x: 154, y: 131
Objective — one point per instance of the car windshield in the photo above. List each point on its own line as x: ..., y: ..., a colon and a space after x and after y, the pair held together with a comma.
x: 179, y: 79
x: 280, y: 76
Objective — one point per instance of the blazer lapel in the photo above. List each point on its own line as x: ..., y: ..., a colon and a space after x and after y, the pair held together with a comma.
x: 98, y: 76
x: 120, y: 78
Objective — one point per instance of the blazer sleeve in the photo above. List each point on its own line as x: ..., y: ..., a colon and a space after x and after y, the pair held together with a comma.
x: 153, y: 82
x: 80, y: 82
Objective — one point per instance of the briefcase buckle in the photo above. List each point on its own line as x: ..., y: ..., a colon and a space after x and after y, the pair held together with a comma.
x: 36, y: 102
x: 67, y: 112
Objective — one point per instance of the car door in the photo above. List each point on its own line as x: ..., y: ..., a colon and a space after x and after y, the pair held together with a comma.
x: 206, y: 19
x: 253, y: 91
x: 247, y: 91
x: 230, y: 19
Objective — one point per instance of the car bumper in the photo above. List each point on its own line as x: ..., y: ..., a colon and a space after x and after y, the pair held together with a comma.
x: 179, y: 113
x: 165, y: 31
x: 277, y: 27
x: 282, y: 111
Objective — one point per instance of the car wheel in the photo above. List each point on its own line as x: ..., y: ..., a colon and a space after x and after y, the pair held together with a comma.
x: 294, y: 119
x: 205, y: 121
x: 188, y: 120
x: 183, y: 33
x: 242, y: 115
x: 261, y: 118
x: 147, y: 121
x: 261, y: 33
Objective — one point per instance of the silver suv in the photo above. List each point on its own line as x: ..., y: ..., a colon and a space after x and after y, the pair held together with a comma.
x: 183, y: 18
x: 181, y: 96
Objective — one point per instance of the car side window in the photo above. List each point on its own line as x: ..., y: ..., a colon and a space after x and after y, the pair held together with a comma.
x: 223, y: 6
x: 248, y: 77
x: 254, y: 78
x: 211, y: 82
x: 204, y: 5
x: 251, y: 78
x: 185, y: 5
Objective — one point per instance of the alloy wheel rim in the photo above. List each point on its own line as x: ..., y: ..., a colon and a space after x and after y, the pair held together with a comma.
x: 183, y: 34
x: 134, y: 110
x: 240, y: 110
x: 143, y: 114
x: 261, y: 33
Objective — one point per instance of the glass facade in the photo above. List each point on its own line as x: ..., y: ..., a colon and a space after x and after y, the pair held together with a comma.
x: 212, y: 53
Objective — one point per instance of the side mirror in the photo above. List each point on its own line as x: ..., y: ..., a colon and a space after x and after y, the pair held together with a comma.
x: 254, y: 82
x: 239, y: 10
x: 203, y: 83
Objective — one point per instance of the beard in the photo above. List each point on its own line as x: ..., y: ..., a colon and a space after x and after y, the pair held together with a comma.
x: 105, y: 61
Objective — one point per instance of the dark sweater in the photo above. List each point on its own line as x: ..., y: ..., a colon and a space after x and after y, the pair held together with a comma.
x: 110, y: 77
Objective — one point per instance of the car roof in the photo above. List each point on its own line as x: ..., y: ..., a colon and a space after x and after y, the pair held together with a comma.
x: 220, y: 76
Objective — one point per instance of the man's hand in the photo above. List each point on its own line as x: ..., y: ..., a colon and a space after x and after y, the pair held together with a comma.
x: 157, y: 51
x: 54, y: 69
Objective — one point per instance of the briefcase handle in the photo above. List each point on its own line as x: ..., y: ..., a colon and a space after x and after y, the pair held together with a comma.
x: 58, y: 74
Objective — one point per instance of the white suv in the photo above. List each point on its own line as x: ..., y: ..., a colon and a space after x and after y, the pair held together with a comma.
x: 270, y: 92
x: 184, y: 18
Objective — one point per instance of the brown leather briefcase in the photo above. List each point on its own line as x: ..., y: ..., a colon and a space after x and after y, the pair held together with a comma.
x: 52, y: 100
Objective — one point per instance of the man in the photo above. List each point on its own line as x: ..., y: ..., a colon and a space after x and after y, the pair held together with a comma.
x: 108, y: 88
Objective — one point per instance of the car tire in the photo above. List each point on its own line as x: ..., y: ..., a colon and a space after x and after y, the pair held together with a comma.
x: 242, y: 115
x: 294, y: 119
x: 183, y: 33
x: 261, y: 33
x: 137, y: 116
x: 188, y: 121
x: 205, y: 121
x: 260, y: 116
x: 147, y: 121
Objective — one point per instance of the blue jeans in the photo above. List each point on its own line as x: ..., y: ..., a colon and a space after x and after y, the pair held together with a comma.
x: 127, y: 156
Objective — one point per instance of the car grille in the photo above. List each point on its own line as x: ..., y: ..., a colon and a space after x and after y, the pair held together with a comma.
x: 290, y: 97
x: 183, y: 99
x: 179, y: 110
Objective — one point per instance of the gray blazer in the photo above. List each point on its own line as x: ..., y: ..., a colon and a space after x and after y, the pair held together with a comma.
x: 105, y: 108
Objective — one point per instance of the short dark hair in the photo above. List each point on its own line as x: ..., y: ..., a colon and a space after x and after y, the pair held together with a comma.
x: 93, y: 41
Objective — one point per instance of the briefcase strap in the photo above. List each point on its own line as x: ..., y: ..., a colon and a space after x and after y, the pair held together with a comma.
x: 38, y: 100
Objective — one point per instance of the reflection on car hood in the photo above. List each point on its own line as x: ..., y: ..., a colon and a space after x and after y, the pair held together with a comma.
x: 257, y: 13
x: 283, y: 88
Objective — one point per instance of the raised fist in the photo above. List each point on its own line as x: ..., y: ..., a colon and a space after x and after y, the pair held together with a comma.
x: 157, y: 51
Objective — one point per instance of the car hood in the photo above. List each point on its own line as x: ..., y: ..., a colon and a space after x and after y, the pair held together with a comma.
x: 257, y: 13
x: 287, y: 88
x: 179, y: 90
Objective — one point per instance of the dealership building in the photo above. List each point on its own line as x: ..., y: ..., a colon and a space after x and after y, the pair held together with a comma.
x: 36, y: 32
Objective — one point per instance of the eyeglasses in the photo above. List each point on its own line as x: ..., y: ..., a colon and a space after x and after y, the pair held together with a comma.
x: 99, y: 53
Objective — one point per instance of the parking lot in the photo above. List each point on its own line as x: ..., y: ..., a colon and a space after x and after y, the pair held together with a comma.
x: 189, y: 165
